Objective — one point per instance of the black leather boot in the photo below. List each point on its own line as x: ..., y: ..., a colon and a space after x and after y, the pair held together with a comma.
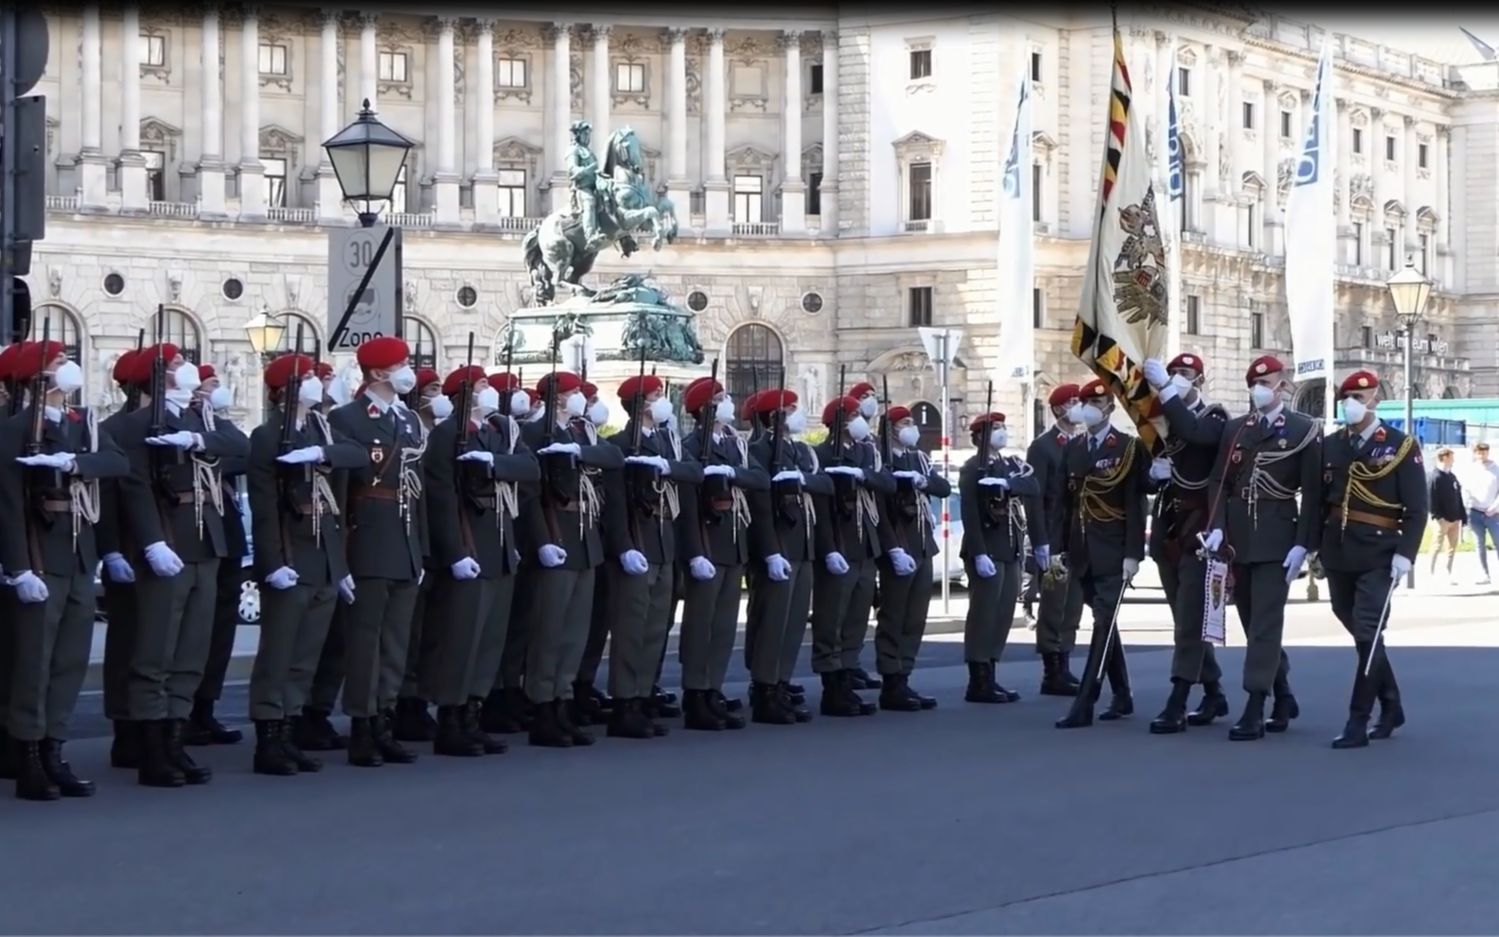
x: 1055, y: 680
x: 629, y: 721
x: 1010, y: 695
x: 696, y: 714
x: 1391, y: 712
x: 1173, y: 718
x: 305, y: 763
x: 314, y: 732
x: 125, y: 750
x: 413, y: 723
x: 1285, y: 707
x: 981, y: 685
x: 860, y: 679
x: 1122, y: 701
x: 925, y: 702
x: 270, y: 755
x: 767, y: 706
x: 1214, y: 704
x: 664, y: 704
x: 795, y: 689
x: 473, y: 725
x: 450, y: 738
x: 578, y: 735
x: 1251, y: 725
x: 864, y: 707
x: 590, y: 705
x: 545, y: 732
x: 893, y: 695
x: 1064, y: 664
x: 796, y: 703
x: 192, y: 772
x: 364, y: 747
x: 61, y: 772
x: 204, y: 728
x: 1361, y: 702
x: 724, y: 710
x: 504, y: 711
x: 155, y: 769
x: 835, y: 697
x: 32, y: 780
x: 392, y: 751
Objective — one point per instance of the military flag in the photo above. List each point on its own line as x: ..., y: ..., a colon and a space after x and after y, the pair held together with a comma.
x: 1122, y: 319
x: 1172, y: 212
x: 1312, y: 240
x: 1016, y: 245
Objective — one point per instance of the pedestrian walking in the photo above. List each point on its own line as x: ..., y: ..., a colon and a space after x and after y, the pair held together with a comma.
x: 1447, y: 509
x: 1481, y: 497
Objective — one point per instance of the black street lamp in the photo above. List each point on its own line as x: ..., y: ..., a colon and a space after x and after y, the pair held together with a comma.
x: 367, y: 157
x: 1409, y: 291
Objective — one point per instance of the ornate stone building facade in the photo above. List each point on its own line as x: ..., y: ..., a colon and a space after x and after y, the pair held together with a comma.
x: 834, y: 172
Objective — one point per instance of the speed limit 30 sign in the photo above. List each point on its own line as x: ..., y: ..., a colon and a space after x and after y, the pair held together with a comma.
x: 355, y: 258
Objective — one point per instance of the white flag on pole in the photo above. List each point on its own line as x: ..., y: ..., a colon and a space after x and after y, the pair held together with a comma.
x: 1172, y: 213
x: 1312, y: 237
x: 1017, y: 336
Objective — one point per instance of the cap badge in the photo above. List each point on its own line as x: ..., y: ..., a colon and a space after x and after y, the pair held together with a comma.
x: 1363, y: 382
x: 1259, y: 368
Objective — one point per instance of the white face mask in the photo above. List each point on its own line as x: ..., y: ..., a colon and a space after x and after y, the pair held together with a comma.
x: 338, y: 390
x: 441, y: 407
x: 598, y: 413
x: 1181, y: 383
x: 403, y: 380
x: 1075, y: 414
x: 221, y: 398
x: 868, y: 407
x: 487, y: 401
x: 1092, y: 416
x: 909, y: 436
x: 858, y: 429
x: 520, y: 403
x: 575, y: 404
x: 68, y: 377
x: 1354, y: 410
x: 796, y: 423
x: 180, y: 398
x: 309, y: 394
x: 53, y: 414
x: 724, y: 412
x: 661, y: 411
x: 1261, y: 396
x: 998, y: 438
x: 186, y: 377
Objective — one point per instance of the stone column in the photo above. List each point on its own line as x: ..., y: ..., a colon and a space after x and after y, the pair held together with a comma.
x: 793, y: 189
x: 1443, y: 210
x: 329, y: 195
x: 677, y: 181
x: 252, y: 197
x: 369, y: 63
x: 1410, y: 199
x: 829, y: 192
x: 211, y: 156
x: 446, y: 178
x: 1212, y: 123
x: 1270, y: 137
x: 1346, y: 249
x: 559, y: 128
x: 1233, y: 119
x: 133, y: 196
x: 486, y: 180
x: 598, y: 72
x: 1377, y: 238
x: 715, y: 104
x: 92, y: 166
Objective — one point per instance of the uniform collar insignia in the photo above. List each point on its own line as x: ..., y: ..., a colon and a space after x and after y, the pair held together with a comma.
x: 1379, y: 434
x: 373, y: 412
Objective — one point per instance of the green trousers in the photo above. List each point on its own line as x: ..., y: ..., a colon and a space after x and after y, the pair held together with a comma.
x: 50, y: 652
x: 293, y: 626
x: 174, y: 625
x: 900, y: 622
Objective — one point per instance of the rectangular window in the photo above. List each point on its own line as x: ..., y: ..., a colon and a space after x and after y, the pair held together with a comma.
x: 747, y: 196
x: 272, y: 59
x: 1358, y: 140
x: 920, y: 303
x: 1425, y: 252
x: 1256, y: 330
x: 921, y: 63
x: 629, y: 77
x: 1036, y: 177
x: 1358, y: 243
x: 920, y: 181
x: 1421, y: 156
x: 1390, y: 253
x: 154, y: 51
x: 814, y: 79
x: 275, y: 181
x: 398, y: 193
x: 1184, y: 81
x: 1194, y: 309
x: 512, y: 193
x: 1249, y: 219
x: 1038, y: 307
x: 1389, y: 148
x: 1248, y: 112
x: 814, y: 193
x: 1036, y: 66
x: 156, y: 175
x: 392, y: 66
x: 510, y: 73
x: 1368, y: 336
x: 1285, y: 125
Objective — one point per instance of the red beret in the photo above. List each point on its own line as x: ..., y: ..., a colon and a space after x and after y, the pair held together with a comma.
x: 647, y: 385
x: 861, y: 389
x: 1261, y: 366
x: 1188, y: 360
x: 897, y: 413
x: 987, y: 419
x: 700, y: 393
x: 531, y: 392
x: 206, y: 371
x: 504, y: 380
x: 145, y: 362
x: 588, y: 389
x: 566, y: 382
x: 383, y: 352
x: 469, y: 374
x: 1358, y: 380
x: 830, y: 412
x: 281, y: 368
x: 425, y: 376
x: 1094, y: 388
x: 769, y: 401
x: 8, y: 360
x: 121, y: 373
x: 750, y: 406
x: 1062, y: 393
x: 33, y: 359
x: 324, y: 370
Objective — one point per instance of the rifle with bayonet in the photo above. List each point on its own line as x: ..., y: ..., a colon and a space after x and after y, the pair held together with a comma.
x: 463, y: 413
x: 717, y: 496
x: 289, y: 475
x: 34, y: 489
x: 639, y: 478
x: 559, y: 482
x: 157, y: 424
x: 133, y: 390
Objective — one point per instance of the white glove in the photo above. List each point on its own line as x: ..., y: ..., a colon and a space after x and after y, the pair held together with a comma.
x: 346, y: 589
x: 1042, y: 555
x: 851, y: 470
x: 1160, y: 470
x: 283, y: 578
x: 918, y: 480
x: 1212, y: 541
x: 634, y: 563
x: 1155, y: 373
x: 163, y: 559
x: 725, y: 470
x: 1131, y: 567
x: 30, y: 588
x: 302, y: 456
x: 659, y: 464
x: 1399, y: 566
x: 989, y: 481
x: 702, y: 568
x: 1295, y: 559
x: 478, y: 455
x: 62, y: 461
x: 466, y: 568
x: 551, y: 555
x: 569, y: 448
x: 790, y: 475
x: 118, y: 568
x: 984, y: 566
x: 902, y: 562
x: 181, y: 439
x: 836, y: 564
x: 777, y: 567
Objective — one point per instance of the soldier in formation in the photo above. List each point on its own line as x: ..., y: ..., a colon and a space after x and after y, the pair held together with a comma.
x: 1061, y: 605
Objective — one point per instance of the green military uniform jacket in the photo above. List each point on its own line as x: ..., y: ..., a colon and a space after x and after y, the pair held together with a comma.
x: 387, y: 515
x: 1376, y: 500
x: 473, y: 519
x: 996, y: 520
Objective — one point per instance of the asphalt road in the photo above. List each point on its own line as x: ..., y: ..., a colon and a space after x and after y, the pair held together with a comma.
x: 968, y: 819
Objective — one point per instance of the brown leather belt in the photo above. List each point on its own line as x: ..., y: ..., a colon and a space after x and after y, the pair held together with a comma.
x: 1364, y: 517
x: 60, y: 507
x: 375, y: 492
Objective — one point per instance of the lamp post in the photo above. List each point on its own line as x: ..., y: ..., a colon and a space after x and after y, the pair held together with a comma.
x: 367, y: 157
x: 1409, y: 291
x: 266, y: 332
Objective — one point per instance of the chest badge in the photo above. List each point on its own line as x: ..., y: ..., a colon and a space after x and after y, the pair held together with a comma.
x: 1281, y: 443
x: 372, y: 411
x: 377, y: 454
x: 1237, y: 457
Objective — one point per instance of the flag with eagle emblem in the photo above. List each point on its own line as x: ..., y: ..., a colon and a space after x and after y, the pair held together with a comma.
x: 1122, y: 319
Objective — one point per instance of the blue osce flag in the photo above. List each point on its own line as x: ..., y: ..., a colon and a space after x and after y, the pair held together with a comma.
x: 1175, y: 177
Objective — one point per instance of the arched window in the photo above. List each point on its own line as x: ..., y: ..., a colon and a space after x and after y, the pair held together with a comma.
x: 311, y: 334
x: 928, y: 419
x: 422, y: 340
x: 61, y: 325
x: 1308, y: 399
x: 180, y: 330
x: 754, y: 360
